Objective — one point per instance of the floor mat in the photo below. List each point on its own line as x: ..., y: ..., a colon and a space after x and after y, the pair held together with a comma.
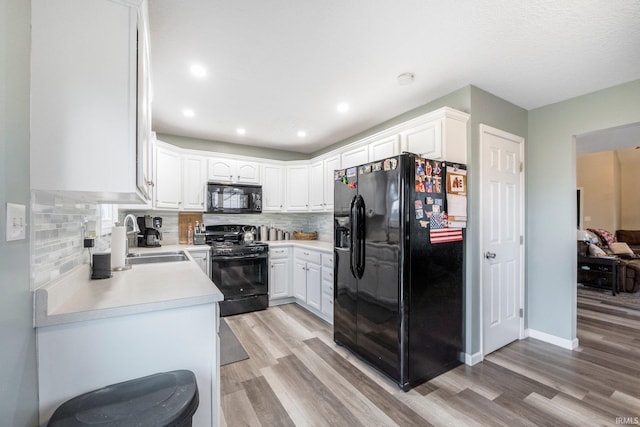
x: 231, y: 350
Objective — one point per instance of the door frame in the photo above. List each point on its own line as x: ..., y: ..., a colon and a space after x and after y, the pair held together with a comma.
x: 485, y: 129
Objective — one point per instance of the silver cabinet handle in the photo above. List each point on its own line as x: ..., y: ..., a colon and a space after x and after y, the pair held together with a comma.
x: 489, y: 255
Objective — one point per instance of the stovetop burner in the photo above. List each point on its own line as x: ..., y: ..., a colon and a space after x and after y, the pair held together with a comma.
x: 227, y: 240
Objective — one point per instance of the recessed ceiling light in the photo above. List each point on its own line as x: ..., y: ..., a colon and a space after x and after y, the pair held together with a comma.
x: 342, y: 107
x: 302, y: 133
x: 406, y: 79
x: 241, y: 131
x: 198, y: 70
x: 188, y: 112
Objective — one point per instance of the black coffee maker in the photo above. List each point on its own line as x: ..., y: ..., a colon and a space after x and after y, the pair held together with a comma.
x: 150, y: 234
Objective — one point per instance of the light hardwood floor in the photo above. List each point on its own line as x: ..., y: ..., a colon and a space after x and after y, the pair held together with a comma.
x: 296, y: 375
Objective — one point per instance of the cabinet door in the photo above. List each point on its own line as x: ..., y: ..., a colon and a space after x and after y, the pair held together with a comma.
x: 168, y: 190
x: 424, y: 140
x: 279, y: 279
x: 330, y: 165
x: 314, y: 288
x: 300, y: 280
x: 272, y: 188
x: 202, y: 258
x: 355, y: 157
x: 297, y: 188
x: 221, y: 170
x: 194, y: 183
x: 83, y: 99
x: 316, y: 186
x: 384, y: 148
x: 247, y: 172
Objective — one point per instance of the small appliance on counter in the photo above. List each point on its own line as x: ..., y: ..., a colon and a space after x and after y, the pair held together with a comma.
x: 150, y: 234
x: 101, y: 266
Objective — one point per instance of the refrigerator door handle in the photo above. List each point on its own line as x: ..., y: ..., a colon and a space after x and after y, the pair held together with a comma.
x: 360, y: 236
x: 352, y: 233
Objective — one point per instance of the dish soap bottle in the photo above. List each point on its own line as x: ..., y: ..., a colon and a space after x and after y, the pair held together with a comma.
x: 190, y: 235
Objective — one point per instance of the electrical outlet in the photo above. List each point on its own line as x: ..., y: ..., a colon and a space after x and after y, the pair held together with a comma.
x: 16, y: 221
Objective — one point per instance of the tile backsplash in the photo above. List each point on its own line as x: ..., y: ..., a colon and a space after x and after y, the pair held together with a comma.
x: 58, y: 226
x: 307, y: 222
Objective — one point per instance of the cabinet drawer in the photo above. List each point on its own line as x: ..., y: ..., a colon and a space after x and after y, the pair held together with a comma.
x: 279, y: 253
x: 327, y: 287
x: 327, y: 260
x: 308, y: 255
x: 327, y: 274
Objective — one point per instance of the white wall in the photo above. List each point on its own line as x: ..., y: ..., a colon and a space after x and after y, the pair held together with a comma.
x: 18, y: 376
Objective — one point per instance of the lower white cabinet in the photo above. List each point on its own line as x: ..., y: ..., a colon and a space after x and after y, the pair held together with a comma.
x: 202, y: 257
x: 307, y: 277
x: 279, y: 273
x: 327, y: 287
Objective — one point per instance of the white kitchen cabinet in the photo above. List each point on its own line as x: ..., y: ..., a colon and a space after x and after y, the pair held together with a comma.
x: 168, y: 188
x: 90, y: 99
x: 330, y: 165
x: 279, y: 273
x: 238, y: 171
x: 194, y: 182
x: 203, y: 258
x: 384, y: 147
x: 307, y: 278
x: 316, y: 186
x: 327, y: 287
x: 354, y: 156
x: 273, y: 188
x: 297, y: 186
x: 424, y: 140
x: 441, y: 134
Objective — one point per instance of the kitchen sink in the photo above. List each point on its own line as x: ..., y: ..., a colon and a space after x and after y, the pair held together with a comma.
x: 156, y: 257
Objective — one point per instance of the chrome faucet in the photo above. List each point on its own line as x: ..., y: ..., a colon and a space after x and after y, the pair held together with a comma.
x: 135, y: 229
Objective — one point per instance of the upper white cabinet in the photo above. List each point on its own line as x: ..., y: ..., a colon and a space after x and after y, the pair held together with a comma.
x: 194, y: 182
x: 233, y: 170
x: 438, y: 135
x: 355, y: 156
x: 383, y: 148
x: 168, y: 188
x: 297, y: 187
x: 424, y: 140
x: 272, y: 188
x: 330, y: 165
x: 90, y: 99
x: 316, y: 186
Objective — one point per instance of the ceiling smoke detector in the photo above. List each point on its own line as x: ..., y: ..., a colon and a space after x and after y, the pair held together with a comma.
x: 406, y: 79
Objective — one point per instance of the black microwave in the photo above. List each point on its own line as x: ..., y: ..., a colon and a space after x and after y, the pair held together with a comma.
x: 233, y: 198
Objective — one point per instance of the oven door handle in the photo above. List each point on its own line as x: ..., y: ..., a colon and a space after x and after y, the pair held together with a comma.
x: 231, y: 258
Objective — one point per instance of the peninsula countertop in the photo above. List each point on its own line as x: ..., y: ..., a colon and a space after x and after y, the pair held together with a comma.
x: 143, y: 288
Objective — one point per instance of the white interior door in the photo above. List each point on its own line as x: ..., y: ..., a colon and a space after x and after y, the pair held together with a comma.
x: 502, y: 240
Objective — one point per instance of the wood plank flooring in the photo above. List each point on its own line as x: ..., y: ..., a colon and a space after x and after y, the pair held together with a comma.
x: 297, y: 376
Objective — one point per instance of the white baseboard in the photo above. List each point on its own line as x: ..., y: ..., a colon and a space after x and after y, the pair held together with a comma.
x: 552, y: 339
x: 472, y: 359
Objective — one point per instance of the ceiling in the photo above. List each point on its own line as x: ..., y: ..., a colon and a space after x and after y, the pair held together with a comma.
x: 276, y: 67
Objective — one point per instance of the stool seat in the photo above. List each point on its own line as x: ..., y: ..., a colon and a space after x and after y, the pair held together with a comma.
x: 162, y: 399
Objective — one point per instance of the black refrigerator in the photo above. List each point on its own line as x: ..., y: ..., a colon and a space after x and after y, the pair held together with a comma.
x: 398, y: 267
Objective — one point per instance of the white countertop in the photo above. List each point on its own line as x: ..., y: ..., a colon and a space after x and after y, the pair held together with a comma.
x: 143, y: 288
x: 311, y: 244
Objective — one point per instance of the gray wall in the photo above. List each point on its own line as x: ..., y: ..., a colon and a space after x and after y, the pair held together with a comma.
x: 492, y: 111
x: 18, y: 376
x: 551, y: 202
x: 229, y: 148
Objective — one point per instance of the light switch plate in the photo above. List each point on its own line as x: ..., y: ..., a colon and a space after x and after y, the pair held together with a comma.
x: 16, y: 221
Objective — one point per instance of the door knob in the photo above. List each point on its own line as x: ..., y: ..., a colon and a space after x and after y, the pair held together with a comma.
x: 489, y: 255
